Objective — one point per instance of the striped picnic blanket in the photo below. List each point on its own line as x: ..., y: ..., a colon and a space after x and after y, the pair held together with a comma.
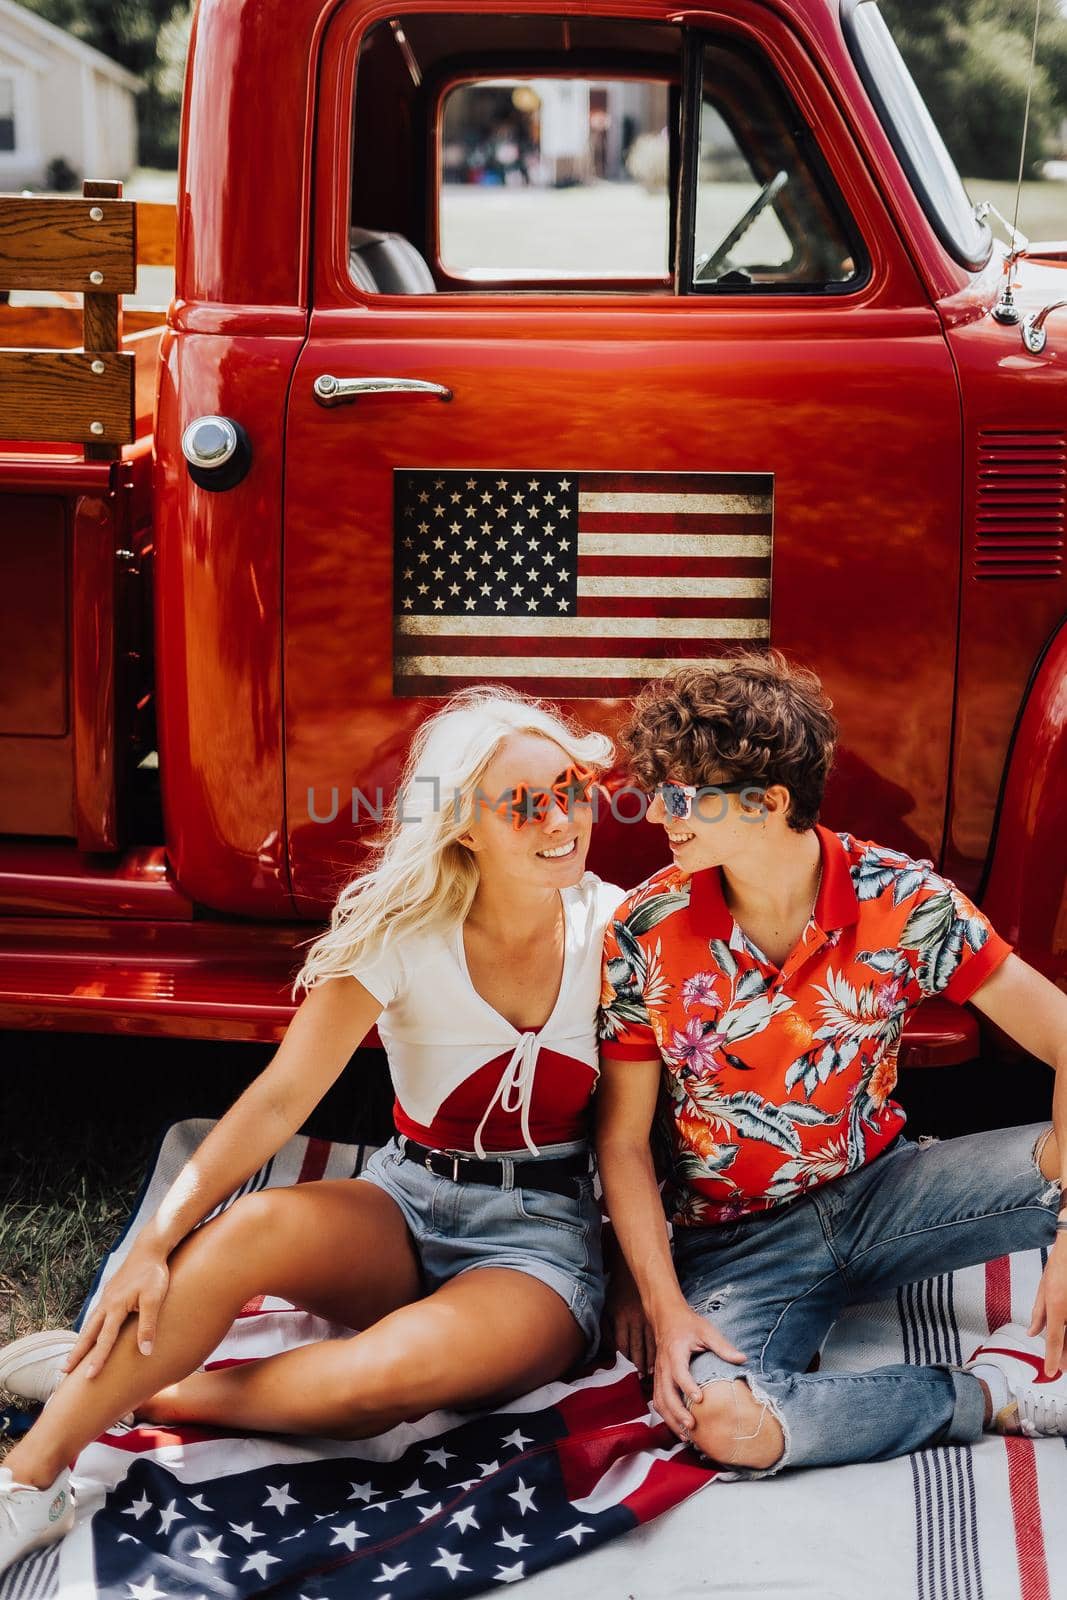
x: 581, y: 1473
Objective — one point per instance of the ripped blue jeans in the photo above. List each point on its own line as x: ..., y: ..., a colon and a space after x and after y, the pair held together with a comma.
x: 775, y: 1283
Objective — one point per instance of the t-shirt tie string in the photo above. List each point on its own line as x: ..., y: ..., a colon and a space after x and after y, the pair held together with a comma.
x: 515, y: 1090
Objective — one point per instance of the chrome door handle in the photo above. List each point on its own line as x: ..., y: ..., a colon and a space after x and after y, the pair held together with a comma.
x: 331, y: 391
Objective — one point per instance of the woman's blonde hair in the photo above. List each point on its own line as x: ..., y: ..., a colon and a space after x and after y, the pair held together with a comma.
x: 420, y: 876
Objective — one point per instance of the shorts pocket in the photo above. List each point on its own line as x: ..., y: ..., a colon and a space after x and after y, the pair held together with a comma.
x: 556, y: 1210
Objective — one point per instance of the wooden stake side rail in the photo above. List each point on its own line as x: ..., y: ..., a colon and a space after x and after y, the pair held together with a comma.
x: 88, y: 245
x: 67, y: 394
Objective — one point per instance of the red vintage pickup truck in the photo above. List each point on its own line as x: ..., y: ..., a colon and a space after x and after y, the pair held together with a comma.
x: 701, y: 281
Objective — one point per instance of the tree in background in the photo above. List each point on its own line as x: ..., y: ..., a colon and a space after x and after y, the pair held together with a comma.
x: 971, y: 61
x: 149, y: 38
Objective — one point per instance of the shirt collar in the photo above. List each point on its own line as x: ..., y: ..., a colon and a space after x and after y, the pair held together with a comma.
x: 835, y: 907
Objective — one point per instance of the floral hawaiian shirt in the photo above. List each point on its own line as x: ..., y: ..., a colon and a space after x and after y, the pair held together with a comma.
x: 777, y: 1080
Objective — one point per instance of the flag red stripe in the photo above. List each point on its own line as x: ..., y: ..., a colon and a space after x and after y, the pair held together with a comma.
x: 147, y: 1436
x: 604, y: 605
x: 600, y: 1405
x: 756, y: 522
x: 667, y: 482
x: 667, y: 1483
x: 630, y: 566
x: 585, y: 1457
x: 554, y: 649
x: 558, y: 688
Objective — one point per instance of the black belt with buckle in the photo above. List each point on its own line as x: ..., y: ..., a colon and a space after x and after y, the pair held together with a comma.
x: 557, y: 1173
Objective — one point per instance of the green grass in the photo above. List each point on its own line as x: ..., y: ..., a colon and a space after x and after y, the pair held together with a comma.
x: 51, y: 1247
x: 81, y: 1116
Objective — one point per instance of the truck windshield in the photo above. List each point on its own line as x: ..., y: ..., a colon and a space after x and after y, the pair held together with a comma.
x: 914, y: 134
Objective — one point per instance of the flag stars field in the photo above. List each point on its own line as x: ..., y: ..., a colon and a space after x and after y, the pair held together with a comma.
x: 452, y: 1564
x: 208, y: 1550
x: 348, y: 1535
x: 524, y: 1497
x: 168, y: 1516
x: 246, y: 1531
x: 280, y: 1498
x: 512, y: 1541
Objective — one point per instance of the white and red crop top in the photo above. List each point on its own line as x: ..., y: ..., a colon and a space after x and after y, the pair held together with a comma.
x: 465, y: 1078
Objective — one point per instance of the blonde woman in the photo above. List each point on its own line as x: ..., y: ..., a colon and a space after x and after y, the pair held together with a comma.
x: 468, y: 1250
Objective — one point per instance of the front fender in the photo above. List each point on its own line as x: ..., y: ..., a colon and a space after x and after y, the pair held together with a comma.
x: 1026, y: 890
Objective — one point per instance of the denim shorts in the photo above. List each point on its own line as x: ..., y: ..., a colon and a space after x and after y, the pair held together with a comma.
x: 458, y: 1227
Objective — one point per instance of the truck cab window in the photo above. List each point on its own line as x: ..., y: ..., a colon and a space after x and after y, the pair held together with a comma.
x: 767, y: 217
x: 495, y: 152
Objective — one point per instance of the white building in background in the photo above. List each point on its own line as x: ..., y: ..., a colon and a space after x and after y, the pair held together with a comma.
x: 60, y: 99
x: 587, y: 126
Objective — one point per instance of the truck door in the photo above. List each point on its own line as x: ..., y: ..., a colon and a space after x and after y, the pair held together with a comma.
x: 642, y: 389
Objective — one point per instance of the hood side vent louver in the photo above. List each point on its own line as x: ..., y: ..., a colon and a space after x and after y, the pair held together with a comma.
x: 1020, y: 504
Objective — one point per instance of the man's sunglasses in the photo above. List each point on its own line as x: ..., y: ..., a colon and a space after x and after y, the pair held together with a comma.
x: 678, y: 797
x: 527, y: 803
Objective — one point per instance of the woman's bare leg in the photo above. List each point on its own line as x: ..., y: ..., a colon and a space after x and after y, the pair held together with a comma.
x: 339, y: 1247
x: 485, y: 1336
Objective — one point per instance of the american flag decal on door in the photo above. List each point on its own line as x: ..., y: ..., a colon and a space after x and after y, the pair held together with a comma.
x: 574, y: 584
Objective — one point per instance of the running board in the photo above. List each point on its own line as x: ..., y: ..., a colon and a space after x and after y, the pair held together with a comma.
x: 191, y: 980
x: 219, y: 980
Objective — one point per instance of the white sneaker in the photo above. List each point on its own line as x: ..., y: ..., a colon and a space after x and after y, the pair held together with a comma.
x: 32, y: 1517
x: 31, y: 1368
x: 1037, y: 1405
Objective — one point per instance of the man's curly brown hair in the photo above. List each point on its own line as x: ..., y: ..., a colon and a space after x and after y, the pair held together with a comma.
x: 752, y: 715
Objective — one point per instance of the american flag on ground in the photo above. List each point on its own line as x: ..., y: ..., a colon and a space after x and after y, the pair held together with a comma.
x: 454, y: 1512
x: 576, y: 584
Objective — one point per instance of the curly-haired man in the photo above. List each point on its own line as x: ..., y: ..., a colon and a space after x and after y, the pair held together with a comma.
x: 756, y: 990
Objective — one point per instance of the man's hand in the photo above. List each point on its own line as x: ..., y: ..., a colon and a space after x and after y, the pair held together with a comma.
x: 1050, y: 1307
x: 677, y: 1337
x: 625, y: 1320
